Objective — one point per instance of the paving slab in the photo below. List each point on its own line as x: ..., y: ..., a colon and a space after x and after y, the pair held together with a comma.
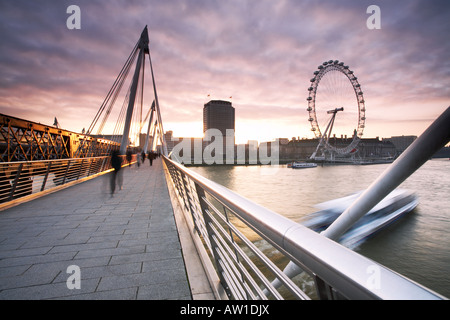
x: 126, y: 245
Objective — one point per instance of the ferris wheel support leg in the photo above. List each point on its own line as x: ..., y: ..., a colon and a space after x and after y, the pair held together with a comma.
x: 313, y: 156
x: 327, y: 133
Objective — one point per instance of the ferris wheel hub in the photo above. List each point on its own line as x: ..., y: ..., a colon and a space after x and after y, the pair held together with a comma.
x: 335, y: 110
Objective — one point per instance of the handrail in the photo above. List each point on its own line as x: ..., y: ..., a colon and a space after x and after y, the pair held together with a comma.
x: 337, y: 272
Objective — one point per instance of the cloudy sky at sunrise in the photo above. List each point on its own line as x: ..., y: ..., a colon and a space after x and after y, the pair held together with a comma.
x: 261, y: 53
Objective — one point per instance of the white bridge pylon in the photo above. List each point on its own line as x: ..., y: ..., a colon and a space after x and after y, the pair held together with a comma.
x: 133, y: 99
x: 157, y: 126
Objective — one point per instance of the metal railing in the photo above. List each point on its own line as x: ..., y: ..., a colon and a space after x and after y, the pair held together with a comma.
x: 249, y: 245
x: 25, y: 178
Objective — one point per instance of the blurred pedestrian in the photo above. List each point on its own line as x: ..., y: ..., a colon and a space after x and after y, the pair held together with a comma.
x: 129, y: 156
x: 150, y: 157
x: 138, y: 159
x: 116, y: 163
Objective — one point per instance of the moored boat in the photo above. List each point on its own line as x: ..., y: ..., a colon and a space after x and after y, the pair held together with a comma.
x: 301, y: 165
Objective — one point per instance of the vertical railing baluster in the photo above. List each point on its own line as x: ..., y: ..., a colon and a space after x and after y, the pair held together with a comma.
x: 187, y: 193
x: 323, y: 289
x: 44, y: 182
x: 65, y: 173
x: 234, y: 244
x: 91, y: 161
x: 203, y: 206
x: 79, y: 170
x: 183, y: 189
x: 105, y: 163
x: 177, y: 179
x: 16, y: 180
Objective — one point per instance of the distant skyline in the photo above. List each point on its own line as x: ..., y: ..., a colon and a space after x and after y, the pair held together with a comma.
x: 259, y: 55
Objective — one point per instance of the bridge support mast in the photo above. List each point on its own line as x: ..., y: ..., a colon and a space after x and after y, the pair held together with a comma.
x: 143, y: 47
x: 152, y: 111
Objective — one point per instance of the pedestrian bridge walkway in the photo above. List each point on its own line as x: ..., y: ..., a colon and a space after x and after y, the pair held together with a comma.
x: 127, y: 246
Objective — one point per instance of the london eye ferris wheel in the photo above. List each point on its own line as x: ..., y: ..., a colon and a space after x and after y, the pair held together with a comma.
x: 339, y: 92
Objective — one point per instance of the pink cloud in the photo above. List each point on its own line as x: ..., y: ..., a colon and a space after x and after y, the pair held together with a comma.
x: 263, y: 56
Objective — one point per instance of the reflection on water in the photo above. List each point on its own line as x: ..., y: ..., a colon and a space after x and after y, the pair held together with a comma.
x: 415, y: 246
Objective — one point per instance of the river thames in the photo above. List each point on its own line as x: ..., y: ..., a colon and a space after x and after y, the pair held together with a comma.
x: 416, y: 245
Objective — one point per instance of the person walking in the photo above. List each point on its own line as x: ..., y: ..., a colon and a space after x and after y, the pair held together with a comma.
x: 129, y: 156
x: 150, y: 157
x: 116, y: 163
x: 138, y: 159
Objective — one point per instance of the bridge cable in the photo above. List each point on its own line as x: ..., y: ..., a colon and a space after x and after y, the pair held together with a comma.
x: 117, y: 85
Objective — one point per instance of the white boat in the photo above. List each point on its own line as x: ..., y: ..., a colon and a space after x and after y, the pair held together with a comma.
x: 302, y: 165
x: 393, y: 206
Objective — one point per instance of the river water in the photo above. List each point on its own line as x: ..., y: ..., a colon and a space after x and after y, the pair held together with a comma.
x: 416, y: 246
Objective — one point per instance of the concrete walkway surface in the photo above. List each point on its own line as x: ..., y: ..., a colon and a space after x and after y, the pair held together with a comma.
x: 124, y: 246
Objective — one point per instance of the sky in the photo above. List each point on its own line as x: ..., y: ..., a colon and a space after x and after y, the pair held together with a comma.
x: 258, y: 54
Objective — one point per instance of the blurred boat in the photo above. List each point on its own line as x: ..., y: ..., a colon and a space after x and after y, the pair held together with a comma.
x: 393, y: 206
x: 301, y: 165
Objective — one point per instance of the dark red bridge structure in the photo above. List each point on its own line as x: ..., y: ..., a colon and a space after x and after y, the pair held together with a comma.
x: 35, y: 157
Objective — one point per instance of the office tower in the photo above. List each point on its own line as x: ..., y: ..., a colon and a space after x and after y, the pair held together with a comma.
x: 218, y: 114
